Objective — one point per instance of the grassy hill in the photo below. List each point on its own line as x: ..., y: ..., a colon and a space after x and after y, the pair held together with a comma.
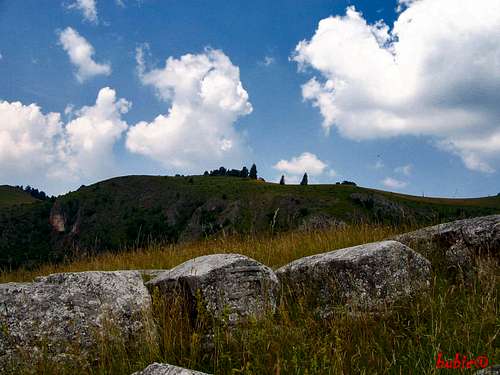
x: 134, y: 211
x: 10, y: 195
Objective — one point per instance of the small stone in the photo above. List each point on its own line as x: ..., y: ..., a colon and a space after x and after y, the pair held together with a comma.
x: 493, y: 370
x: 166, y: 369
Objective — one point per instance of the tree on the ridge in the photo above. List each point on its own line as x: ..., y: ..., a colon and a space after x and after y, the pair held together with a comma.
x: 282, y: 181
x: 304, y: 179
x: 244, y: 172
x: 253, y: 172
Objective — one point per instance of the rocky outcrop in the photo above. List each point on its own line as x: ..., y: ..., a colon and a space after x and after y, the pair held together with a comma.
x: 381, y: 207
x: 366, y: 276
x: 211, y: 217
x: 458, y: 243
x: 60, y: 313
x: 320, y: 222
x: 227, y: 283
x: 165, y: 369
x: 57, y: 218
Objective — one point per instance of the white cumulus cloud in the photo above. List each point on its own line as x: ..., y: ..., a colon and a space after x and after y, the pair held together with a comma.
x: 205, y: 98
x: 80, y: 53
x: 38, y: 148
x: 88, y: 9
x: 28, y: 138
x: 306, y: 162
x: 89, y: 138
x: 436, y: 73
x: 392, y: 183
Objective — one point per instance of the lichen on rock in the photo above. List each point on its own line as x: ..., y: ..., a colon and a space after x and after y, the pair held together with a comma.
x: 456, y: 244
x: 227, y: 284
x: 367, y: 277
x: 70, y: 312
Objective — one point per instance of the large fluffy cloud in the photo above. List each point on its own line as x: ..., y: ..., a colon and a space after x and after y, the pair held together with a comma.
x: 435, y: 73
x: 80, y: 53
x: 88, y: 140
x: 205, y: 97
x: 40, y: 148
x: 28, y: 138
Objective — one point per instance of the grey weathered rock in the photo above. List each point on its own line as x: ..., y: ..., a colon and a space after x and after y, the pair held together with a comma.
x: 166, y: 369
x: 381, y: 207
x: 366, y: 276
x: 223, y: 214
x: 320, y: 222
x: 457, y: 243
x: 230, y: 283
x: 65, y: 311
x: 493, y: 370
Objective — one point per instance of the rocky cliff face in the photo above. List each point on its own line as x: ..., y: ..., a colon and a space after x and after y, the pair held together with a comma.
x: 57, y: 219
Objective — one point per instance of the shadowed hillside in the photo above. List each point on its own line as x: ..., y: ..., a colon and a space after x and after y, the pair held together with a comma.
x: 130, y: 212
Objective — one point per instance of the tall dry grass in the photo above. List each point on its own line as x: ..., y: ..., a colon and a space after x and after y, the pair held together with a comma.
x: 272, y: 250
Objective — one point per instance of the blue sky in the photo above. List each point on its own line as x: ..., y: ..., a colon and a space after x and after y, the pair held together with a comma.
x: 411, y: 108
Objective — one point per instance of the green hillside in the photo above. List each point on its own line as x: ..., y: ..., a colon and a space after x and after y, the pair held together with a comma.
x: 133, y: 211
x: 10, y: 195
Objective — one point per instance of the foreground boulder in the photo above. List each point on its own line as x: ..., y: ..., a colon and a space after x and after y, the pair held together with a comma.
x: 458, y: 243
x: 366, y: 276
x: 64, y: 313
x: 165, y: 369
x: 226, y: 283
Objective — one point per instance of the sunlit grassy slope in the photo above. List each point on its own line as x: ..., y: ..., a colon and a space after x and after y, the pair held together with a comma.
x: 333, y: 199
x: 10, y: 195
